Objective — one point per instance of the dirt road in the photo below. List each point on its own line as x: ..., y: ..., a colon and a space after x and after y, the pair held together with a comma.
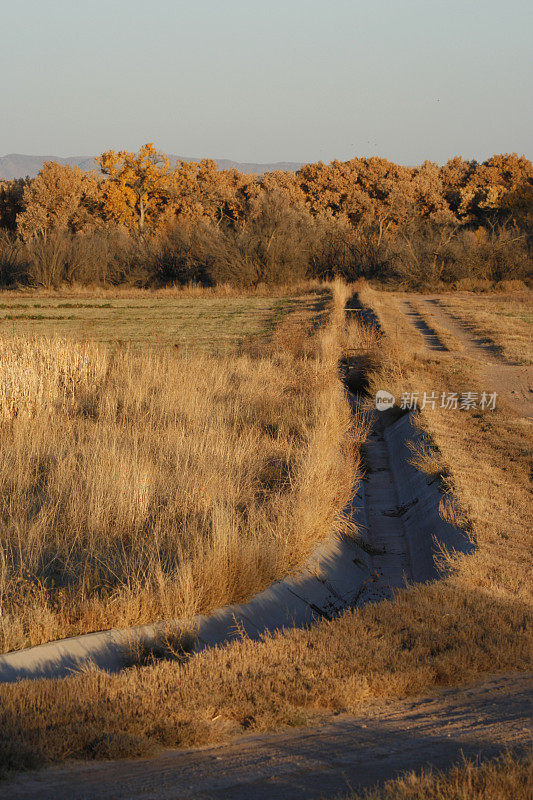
x: 512, y: 382
x: 348, y: 752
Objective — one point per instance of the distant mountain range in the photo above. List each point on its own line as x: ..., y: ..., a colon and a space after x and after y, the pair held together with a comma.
x: 16, y: 165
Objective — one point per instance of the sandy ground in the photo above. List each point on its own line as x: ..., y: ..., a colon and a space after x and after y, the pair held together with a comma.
x: 346, y: 753
x: 513, y: 383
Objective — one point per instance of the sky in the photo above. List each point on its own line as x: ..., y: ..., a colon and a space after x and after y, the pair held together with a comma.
x: 272, y: 80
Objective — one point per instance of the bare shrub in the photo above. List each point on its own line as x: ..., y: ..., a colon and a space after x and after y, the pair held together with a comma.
x: 426, y: 254
x: 271, y: 246
x: 180, y: 254
x: 48, y: 258
x: 105, y: 256
x: 275, y: 244
x: 494, y: 255
x: 13, y: 260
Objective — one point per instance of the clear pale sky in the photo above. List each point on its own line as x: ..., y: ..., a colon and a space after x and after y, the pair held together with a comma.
x: 297, y: 80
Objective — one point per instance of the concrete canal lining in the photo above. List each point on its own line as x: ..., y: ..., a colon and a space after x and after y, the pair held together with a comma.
x: 396, y: 510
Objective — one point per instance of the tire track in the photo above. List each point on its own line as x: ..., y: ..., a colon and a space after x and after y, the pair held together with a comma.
x: 512, y: 382
x: 430, y: 335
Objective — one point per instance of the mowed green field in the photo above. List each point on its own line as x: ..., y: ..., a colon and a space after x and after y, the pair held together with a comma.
x: 214, y: 324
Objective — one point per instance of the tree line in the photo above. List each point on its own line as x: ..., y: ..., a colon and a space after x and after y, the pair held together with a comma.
x: 145, y: 222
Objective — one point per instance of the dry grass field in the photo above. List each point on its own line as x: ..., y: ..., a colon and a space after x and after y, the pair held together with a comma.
x: 472, y: 622
x: 199, y: 320
x: 147, y: 484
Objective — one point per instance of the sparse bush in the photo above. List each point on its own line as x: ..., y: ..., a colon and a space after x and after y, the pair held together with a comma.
x: 422, y: 255
x: 13, y: 260
x: 272, y: 246
x: 179, y: 254
x: 62, y: 257
x: 277, y: 245
x: 495, y: 255
x: 342, y: 250
x: 48, y: 259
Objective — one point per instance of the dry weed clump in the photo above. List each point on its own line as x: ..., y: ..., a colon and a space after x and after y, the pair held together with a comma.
x: 145, y: 485
x: 508, y: 777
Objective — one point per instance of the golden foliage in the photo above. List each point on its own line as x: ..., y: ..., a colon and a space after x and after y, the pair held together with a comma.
x: 143, y: 190
x: 138, y: 184
x: 60, y: 198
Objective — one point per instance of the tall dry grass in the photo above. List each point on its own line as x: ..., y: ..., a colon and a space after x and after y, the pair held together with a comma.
x: 507, y: 777
x: 172, y: 291
x: 142, y: 485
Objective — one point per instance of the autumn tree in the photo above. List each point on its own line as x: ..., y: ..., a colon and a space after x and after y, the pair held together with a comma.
x: 59, y: 198
x: 285, y: 183
x: 137, y: 187
x: 455, y: 175
x: 479, y: 192
x: 362, y: 189
x: 363, y: 217
x: 198, y: 190
x: 495, y: 179
x: 517, y: 206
